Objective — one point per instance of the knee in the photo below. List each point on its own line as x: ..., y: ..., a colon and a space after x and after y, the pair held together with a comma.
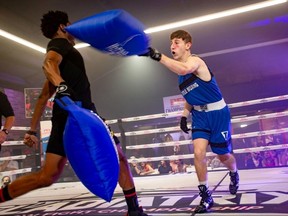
x: 123, y: 159
x: 224, y: 158
x: 199, y: 155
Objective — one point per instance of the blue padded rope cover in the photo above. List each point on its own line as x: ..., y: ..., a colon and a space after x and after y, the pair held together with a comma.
x: 90, y: 149
x: 115, y: 32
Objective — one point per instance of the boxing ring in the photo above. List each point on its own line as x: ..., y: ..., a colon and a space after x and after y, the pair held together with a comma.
x: 154, y: 138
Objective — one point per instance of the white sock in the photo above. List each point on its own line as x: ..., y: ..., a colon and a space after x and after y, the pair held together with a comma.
x: 203, y: 183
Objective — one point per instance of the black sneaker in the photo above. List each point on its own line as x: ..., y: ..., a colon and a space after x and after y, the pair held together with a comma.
x: 138, y: 212
x: 234, y: 182
x: 206, y: 200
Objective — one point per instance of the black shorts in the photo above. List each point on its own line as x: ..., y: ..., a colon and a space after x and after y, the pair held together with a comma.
x: 55, y: 143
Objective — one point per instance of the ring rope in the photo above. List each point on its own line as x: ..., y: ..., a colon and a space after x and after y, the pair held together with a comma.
x: 162, y: 144
x: 259, y: 117
x: 172, y: 143
x: 189, y: 156
x: 20, y: 128
x: 260, y: 133
x: 19, y: 171
x: 176, y: 128
x: 13, y: 143
x: 234, y: 136
x: 169, y: 129
x: 178, y: 113
x: 17, y: 157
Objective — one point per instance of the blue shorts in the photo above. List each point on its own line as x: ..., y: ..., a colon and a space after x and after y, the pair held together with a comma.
x: 214, y: 126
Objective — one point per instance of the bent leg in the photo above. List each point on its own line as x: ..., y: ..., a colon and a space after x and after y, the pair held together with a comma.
x: 126, y: 181
x: 48, y: 174
x: 229, y: 161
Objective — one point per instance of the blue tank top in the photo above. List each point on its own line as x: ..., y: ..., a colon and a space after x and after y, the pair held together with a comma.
x: 199, y: 92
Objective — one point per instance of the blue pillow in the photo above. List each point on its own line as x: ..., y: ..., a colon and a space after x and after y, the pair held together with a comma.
x: 115, y: 32
x: 90, y: 149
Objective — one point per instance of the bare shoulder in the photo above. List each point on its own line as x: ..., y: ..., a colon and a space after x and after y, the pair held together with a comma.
x: 202, y: 71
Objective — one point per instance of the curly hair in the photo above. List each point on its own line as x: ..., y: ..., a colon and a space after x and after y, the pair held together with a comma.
x: 51, y: 21
x: 181, y: 34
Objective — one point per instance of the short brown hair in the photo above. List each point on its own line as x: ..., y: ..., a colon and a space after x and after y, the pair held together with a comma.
x: 185, y: 36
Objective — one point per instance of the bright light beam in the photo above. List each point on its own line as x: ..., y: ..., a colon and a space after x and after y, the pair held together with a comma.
x: 22, y: 41
x: 218, y: 15
x: 162, y: 27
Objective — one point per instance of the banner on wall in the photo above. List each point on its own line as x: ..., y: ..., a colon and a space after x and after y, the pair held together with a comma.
x: 45, y: 130
x: 31, y: 97
x: 173, y: 103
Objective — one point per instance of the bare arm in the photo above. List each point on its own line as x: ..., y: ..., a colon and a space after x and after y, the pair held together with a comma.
x: 46, y: 93
x: 9, y: 121
x: 192, y: 64
x: 30, y: 138
x: 3, y: 165
x: 6, y: 110
x: 138, y: 171
x: 187, y: 109
x: 181, y: 68
x: 51, y: 67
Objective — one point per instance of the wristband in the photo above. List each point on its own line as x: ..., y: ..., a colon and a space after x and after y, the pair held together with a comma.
x: 5, y: 131
x: 34, y: 133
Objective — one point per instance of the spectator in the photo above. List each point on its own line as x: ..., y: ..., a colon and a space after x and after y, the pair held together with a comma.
x: 164, y: 167
x: 145, y: 169
x: 253, y: 160
x: 275, y: 154
x: 5, y: 181
x: 268, y: 160
x: 7, y: 111
x: 181, y: 166
x: 8, y: 165
x: 135, y: 167
x: 176, y: 149
x: 174, y: 166
x: 216, y: 163
x: 168, y: 150
x: 284, y: 157
x: 178, y: 166
x: 158, y: 151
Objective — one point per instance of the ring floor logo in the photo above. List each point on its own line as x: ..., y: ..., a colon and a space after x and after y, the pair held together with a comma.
x: 176, y: 202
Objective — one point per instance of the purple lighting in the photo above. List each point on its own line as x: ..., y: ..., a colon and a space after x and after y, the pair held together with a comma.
x: 269, y: 21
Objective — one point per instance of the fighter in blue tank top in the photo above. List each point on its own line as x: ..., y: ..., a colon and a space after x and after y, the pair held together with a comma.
x: 210, y: 114
x: 213, y: 125
x: 197, y: 91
